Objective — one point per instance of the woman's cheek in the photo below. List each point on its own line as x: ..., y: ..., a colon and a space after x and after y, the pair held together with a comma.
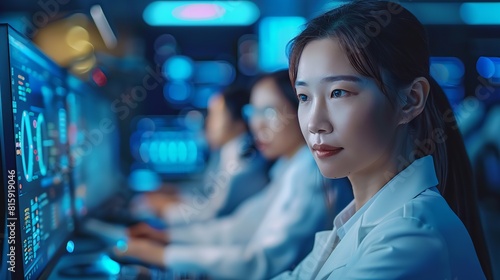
x: 360, y: 127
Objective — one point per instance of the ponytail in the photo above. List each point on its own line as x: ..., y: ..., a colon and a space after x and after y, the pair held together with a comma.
x: 453, y: 168
x: 394, y: 57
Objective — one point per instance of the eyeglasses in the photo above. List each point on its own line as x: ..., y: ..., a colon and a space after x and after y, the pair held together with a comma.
x: 251, y: 112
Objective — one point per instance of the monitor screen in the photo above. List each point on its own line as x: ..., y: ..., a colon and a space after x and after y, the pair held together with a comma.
x: 94, y: 147
x: 171, y: 146
x: 35, y: 161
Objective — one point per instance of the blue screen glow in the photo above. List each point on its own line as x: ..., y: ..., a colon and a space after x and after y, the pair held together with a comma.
x: 448, y: 71
x: 178, y: 68
x: 488, y: 67
x: 274, y: 35
x: 480, y: 13
x: 206, y: 13
x: 177, y: 92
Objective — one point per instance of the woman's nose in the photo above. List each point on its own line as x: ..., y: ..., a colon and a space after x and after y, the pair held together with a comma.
x: 319, y: 121
x: 257, y: 123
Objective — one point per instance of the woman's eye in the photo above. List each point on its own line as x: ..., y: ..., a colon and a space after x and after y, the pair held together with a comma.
x: 302, y: 97
x: 336, y: 93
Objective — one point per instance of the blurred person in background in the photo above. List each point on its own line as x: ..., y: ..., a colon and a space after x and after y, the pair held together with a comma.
x: 268, y: 233
x: 235, y: 171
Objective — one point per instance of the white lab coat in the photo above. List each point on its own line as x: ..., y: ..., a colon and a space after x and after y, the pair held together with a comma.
x: 229, y: 179
x: 266, y: 235
x: 406, y: 231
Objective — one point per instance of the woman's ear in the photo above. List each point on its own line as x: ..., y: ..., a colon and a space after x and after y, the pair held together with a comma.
x: 415, y: 99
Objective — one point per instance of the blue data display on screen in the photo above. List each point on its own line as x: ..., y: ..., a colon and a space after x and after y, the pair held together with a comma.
x: 40, y: 131
x: 94, y: 146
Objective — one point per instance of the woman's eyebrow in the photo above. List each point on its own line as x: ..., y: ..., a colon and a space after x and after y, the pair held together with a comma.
x: 330, y: 79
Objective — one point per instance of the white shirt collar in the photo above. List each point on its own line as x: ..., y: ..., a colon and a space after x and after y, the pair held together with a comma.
x: 414, y: 179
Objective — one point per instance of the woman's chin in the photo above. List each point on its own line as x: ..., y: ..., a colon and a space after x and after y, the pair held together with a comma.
x: 269, y: 154
x: 332, y: 173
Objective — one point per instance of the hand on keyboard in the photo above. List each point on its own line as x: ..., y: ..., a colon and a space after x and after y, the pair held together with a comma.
x: 146, y: 231
x: 139, y: 251
x: 152, y: 204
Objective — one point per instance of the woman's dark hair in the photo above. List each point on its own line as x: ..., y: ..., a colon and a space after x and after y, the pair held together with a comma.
x: 235, y: 97
x: 387, y: 43
x: 282, y: 80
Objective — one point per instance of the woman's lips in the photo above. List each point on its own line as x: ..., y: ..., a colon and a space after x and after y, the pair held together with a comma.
x: 325, y: 151
x: 261, y: 145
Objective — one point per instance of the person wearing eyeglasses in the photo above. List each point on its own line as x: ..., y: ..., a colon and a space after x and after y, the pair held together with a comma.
x: 268, y: 233
x: 235, y: 172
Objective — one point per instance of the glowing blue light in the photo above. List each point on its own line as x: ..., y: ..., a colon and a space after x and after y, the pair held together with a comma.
x: 153, y: 151
x: 202, y: 96
x: 110, y: 265
x: 63, y: 126
x: 144, y: 152
x: 122, y: 245
x: 27, y: 135
x: 447, y: 71
x: 194, y: 120
x: 70, y: 246
x: 488, y: 67
x: 146, y: 124
x: 60, y: 91
x: 426, y: 12
x: 178, y: 68
x: 43, y: 62
x: 480, y: 13
x: 206, y: 13
x: 163, y: 151
x: 39, y: 144
x: 135, y: 143
x: 488, y: 94
x: 144, y: 180
x: 330, y: 5
x: 172, y: 151
x: 192, y: 152
x: 177, y: 92
x: 214, y: 72
x: 455, y: 94
x: 182, y: 151
x: 274, y: 35
x: 435, y: 13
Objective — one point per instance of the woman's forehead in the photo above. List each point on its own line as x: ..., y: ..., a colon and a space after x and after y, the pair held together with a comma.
x: 321, y: 57
x: 266, y: 91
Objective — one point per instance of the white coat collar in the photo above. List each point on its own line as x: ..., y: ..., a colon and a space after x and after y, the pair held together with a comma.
x: 416, y: 178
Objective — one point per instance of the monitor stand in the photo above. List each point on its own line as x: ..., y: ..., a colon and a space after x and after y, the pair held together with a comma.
x: 85, y: 244
x: 91, y: 266
x: 85, y: 270
x: 106, y: 268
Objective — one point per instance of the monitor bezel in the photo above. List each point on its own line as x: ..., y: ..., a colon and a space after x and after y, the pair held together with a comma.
x: 8, y: 123
x: 8, y: 155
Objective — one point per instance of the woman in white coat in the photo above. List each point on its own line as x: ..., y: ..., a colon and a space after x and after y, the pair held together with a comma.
x: 271, y: 231
x: 370, y: 111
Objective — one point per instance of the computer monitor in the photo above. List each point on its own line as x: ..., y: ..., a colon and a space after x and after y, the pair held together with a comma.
x: 35, y: 167
x: 94, y: 147
x: 94, y: 141
x: 172, y: 146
